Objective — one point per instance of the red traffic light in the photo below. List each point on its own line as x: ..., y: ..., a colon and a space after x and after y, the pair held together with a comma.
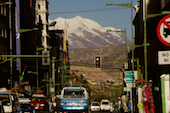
x: 97, y: 58
x: 105, y: 58
x: 101, y: 86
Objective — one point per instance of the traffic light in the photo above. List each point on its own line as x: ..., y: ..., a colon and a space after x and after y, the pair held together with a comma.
x: 105, y: 58
x: 101, y: 87
x: 97, y: 62
x: 46, y: 60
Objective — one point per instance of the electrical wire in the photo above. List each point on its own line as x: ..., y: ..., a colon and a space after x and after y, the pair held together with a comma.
x: 83, y: 11
x: 119, y: 22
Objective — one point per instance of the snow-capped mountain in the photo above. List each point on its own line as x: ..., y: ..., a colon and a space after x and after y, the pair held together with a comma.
x: 86, y: 33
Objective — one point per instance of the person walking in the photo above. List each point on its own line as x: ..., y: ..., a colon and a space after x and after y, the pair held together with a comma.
x: 129, y: 106
x: 116, y: 107
x: 58, y: 108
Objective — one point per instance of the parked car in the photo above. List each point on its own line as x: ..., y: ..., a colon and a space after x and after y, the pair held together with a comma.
x: 105, y: 105
x: 95, y: 106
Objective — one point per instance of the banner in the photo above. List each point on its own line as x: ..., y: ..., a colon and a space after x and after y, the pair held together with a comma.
x: 17, y: 31
x: 149, y: 103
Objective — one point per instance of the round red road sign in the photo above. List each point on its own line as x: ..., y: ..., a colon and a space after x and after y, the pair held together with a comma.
x: 163, y: 30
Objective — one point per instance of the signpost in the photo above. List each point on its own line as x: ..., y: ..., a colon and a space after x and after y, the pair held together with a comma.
x: 130, y: 83
x: 163, y: 30
x: 130, y: 79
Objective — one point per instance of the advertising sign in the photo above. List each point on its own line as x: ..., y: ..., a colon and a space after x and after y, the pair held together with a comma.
x: 165, y: 92
x: 17, y: 31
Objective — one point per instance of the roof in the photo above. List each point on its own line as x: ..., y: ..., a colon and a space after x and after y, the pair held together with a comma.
x: 24, y: 100
x: 38, y: 95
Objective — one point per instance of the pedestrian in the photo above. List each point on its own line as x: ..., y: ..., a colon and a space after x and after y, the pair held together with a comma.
x: 129, y: 106
x: 58, y: 108
x: 119, y: 105
x: 116, y: 107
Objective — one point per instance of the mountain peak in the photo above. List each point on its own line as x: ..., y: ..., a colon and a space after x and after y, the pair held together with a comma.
x: 79, y: 17
x: 86, y: 33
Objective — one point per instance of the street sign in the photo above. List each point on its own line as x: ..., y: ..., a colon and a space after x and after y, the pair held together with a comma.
x: 163, y: 57
x: 130, y: 84
x: 129, y: 76
x: 163, y: 30
x: 127, y: 89
x: 130, y: 79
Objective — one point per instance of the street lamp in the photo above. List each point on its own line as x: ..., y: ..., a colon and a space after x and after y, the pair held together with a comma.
x: 121, y: 31
x: 37, y: 77
x: 26, y: 30
x: 128, y: 5
x: 6, y: 3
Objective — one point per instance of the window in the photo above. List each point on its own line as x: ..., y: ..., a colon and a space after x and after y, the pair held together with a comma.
x: 73, y: 93
x: 106, y: 103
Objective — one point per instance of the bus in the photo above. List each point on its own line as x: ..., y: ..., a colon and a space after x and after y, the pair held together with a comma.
x: 9, y: 101
x: 74, y: 99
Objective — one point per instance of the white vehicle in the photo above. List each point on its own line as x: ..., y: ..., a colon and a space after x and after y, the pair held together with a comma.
x: 9, y: 101
x: 105, y: 105
x: 95, y: 106
x: 26, y: 106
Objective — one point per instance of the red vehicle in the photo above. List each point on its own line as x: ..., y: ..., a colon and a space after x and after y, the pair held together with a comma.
x: 38, y: 101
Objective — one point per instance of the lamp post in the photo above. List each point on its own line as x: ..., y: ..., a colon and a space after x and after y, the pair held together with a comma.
x: 145, y: 39
x: 37, y: 77
x: 128, y: 5
x: 36, y: 72
x: 121, y: 31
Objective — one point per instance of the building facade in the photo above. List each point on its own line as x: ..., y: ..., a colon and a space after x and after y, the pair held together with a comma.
x: 153, y: 15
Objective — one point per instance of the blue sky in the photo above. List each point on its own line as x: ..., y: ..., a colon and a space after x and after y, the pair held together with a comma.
x: 118, y: 17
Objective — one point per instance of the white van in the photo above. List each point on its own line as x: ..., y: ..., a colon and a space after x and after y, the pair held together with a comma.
x: 9, y: 101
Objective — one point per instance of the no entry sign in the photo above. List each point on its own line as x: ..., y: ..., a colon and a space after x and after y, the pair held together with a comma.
x: 163, y: 30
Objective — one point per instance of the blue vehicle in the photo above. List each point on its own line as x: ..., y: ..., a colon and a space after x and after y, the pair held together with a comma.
x: 74, y: 99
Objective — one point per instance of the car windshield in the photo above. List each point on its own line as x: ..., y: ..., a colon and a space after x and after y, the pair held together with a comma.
x: 4, y: 98
x: 39, y: 99
x: 106, y: 103
x: 95, y: 104
x: 73, y: 93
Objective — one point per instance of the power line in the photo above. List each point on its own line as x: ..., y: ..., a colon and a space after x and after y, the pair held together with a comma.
x: 83, y: 11
x: 119, y: 22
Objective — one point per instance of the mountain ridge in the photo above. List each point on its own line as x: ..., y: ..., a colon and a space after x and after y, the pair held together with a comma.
x: 86, y: 33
